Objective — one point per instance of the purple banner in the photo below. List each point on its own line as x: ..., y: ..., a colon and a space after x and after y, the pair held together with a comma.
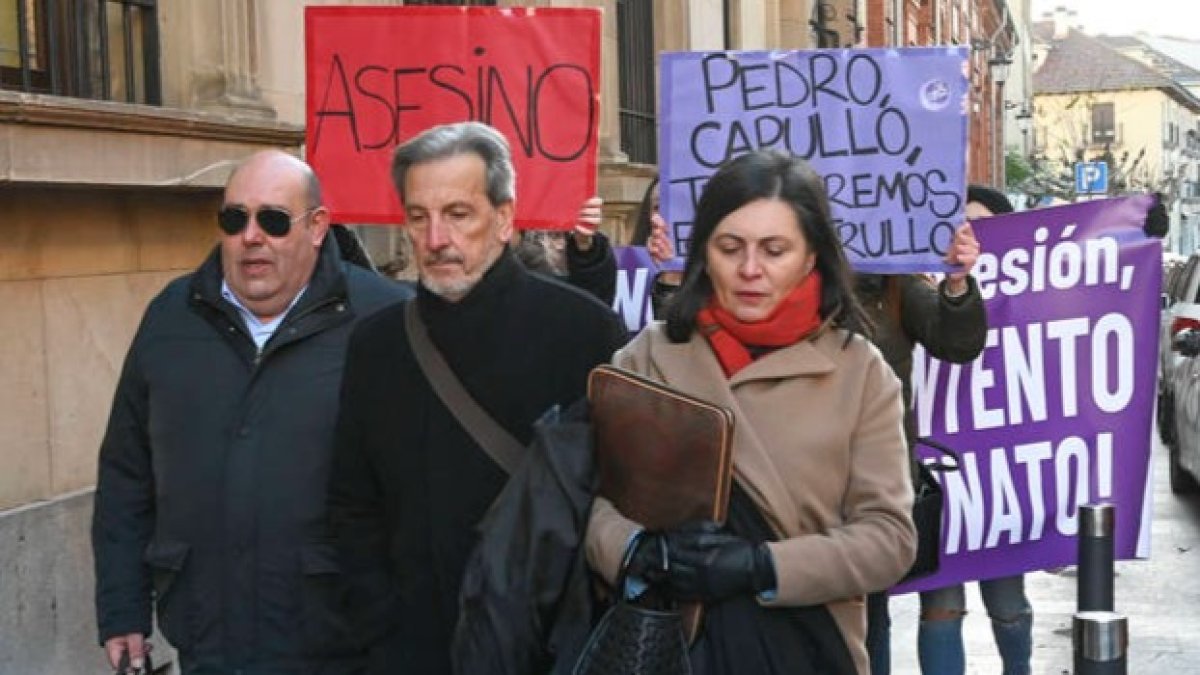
x: 885, y: 127
x: 635, y: 277
x: 1056, y: 413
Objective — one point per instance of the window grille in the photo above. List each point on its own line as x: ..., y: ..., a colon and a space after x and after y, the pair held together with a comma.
x: 100, y: 49
x: 635, y: 37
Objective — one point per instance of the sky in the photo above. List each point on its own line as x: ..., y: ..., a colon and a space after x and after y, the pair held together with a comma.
x: 1174, y: 18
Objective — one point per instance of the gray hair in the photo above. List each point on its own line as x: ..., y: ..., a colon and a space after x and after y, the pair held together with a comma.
x: 449, y: 140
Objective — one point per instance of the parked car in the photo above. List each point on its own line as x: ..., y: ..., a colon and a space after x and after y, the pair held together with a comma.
x: 1181, y: 311
x: 1184, y: 388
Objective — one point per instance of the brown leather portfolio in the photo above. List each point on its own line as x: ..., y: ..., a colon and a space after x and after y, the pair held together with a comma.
x: 663, y: 458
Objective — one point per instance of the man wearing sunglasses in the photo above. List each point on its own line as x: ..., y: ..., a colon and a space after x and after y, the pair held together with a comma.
x: 410, y: 484
x: 214, y: 467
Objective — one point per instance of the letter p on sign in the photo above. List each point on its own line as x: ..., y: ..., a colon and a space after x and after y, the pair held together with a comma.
x: 1091, y: 178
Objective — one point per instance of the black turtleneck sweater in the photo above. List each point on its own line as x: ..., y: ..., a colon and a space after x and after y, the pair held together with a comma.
x: 409, y: 485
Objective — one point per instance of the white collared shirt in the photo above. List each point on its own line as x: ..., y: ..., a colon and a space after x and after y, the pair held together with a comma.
x: 260, y: 331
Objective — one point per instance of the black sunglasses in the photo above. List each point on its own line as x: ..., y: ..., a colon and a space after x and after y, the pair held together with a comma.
x: 273, y: 220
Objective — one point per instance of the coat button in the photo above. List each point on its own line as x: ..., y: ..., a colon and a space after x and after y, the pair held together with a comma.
x: 341, y: 307
x: 243, y: 432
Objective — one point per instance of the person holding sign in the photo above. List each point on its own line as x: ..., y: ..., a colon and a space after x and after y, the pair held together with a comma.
x: 411, y: 476
x: 765, y: 323
x: 650, y: 231
x: 582, y: 257
x: 949, y: 321
x: 939, y: 638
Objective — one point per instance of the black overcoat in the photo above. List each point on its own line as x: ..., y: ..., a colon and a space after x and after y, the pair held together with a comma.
x: 409, y: 485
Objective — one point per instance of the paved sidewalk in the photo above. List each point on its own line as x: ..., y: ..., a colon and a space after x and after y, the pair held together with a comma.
x: 1160, y: 596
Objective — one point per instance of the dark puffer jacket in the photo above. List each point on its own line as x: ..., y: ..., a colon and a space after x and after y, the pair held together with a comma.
x: 214, y: 467
x: 950, y: 329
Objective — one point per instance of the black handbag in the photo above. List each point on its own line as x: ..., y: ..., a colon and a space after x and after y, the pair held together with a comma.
x: 633, y: 640
x: 928, y: 500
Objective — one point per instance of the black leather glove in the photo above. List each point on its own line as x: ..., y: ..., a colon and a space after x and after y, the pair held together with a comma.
x: 710, y: 564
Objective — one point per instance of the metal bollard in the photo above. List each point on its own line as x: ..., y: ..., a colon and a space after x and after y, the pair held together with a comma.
x: 1101, y: 640
x: 1095, y: 581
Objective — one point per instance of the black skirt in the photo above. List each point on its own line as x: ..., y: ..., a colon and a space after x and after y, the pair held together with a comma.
x: 740, y: 636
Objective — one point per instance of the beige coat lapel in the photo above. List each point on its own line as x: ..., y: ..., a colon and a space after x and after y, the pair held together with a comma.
x: 692, y: 367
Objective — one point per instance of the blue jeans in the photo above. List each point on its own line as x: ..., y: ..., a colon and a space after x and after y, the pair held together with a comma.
x: 940, y: 643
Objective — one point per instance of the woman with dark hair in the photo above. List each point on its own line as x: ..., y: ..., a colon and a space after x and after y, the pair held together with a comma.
x: 645, y: 224
x: 650, y: 230
x: 766, y: 324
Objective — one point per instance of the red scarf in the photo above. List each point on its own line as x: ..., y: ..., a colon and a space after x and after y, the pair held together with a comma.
x: 794, y: 319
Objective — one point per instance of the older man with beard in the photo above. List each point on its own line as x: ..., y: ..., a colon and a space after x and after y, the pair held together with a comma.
x: 410, y: 484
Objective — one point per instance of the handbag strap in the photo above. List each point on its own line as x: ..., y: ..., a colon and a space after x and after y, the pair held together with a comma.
x: 627, y: 559
x: 946, y: 451
x: 483, y: 429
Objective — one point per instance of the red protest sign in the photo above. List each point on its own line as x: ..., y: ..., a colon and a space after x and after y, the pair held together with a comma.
x: 377, y: 76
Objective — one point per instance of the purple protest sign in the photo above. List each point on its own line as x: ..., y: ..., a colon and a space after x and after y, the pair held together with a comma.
x: 635, y: 278
x: 1056, y: 413
x: 885, y: 127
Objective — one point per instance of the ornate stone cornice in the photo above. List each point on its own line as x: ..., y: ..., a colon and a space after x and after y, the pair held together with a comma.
x: 58, y: 111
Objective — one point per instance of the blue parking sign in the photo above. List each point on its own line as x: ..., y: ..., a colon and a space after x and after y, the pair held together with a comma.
x: 1091, y: 178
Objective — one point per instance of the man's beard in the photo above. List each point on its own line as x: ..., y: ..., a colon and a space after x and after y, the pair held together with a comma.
x: 456, y: 289
x: 449, y: 290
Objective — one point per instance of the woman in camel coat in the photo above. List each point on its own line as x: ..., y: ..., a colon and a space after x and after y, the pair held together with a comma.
x: 766, y: 324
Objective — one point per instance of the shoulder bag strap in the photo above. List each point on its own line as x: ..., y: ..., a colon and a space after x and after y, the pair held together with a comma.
x: 486, y: 432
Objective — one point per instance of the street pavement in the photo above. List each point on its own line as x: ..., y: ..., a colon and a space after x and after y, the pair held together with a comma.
x: 1160, y: 596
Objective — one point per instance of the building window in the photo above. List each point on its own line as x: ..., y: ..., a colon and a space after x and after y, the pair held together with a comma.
x: 1104, y: 127
x: 727, y: 12
x: 635, y: 35
x: 104, y: 49
x: 824, y: 16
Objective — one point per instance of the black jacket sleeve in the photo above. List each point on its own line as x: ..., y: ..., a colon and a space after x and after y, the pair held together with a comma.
x: 951, y: 329
x: 594, y: 270
x: 356, y: 520
x: 124, y: 510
